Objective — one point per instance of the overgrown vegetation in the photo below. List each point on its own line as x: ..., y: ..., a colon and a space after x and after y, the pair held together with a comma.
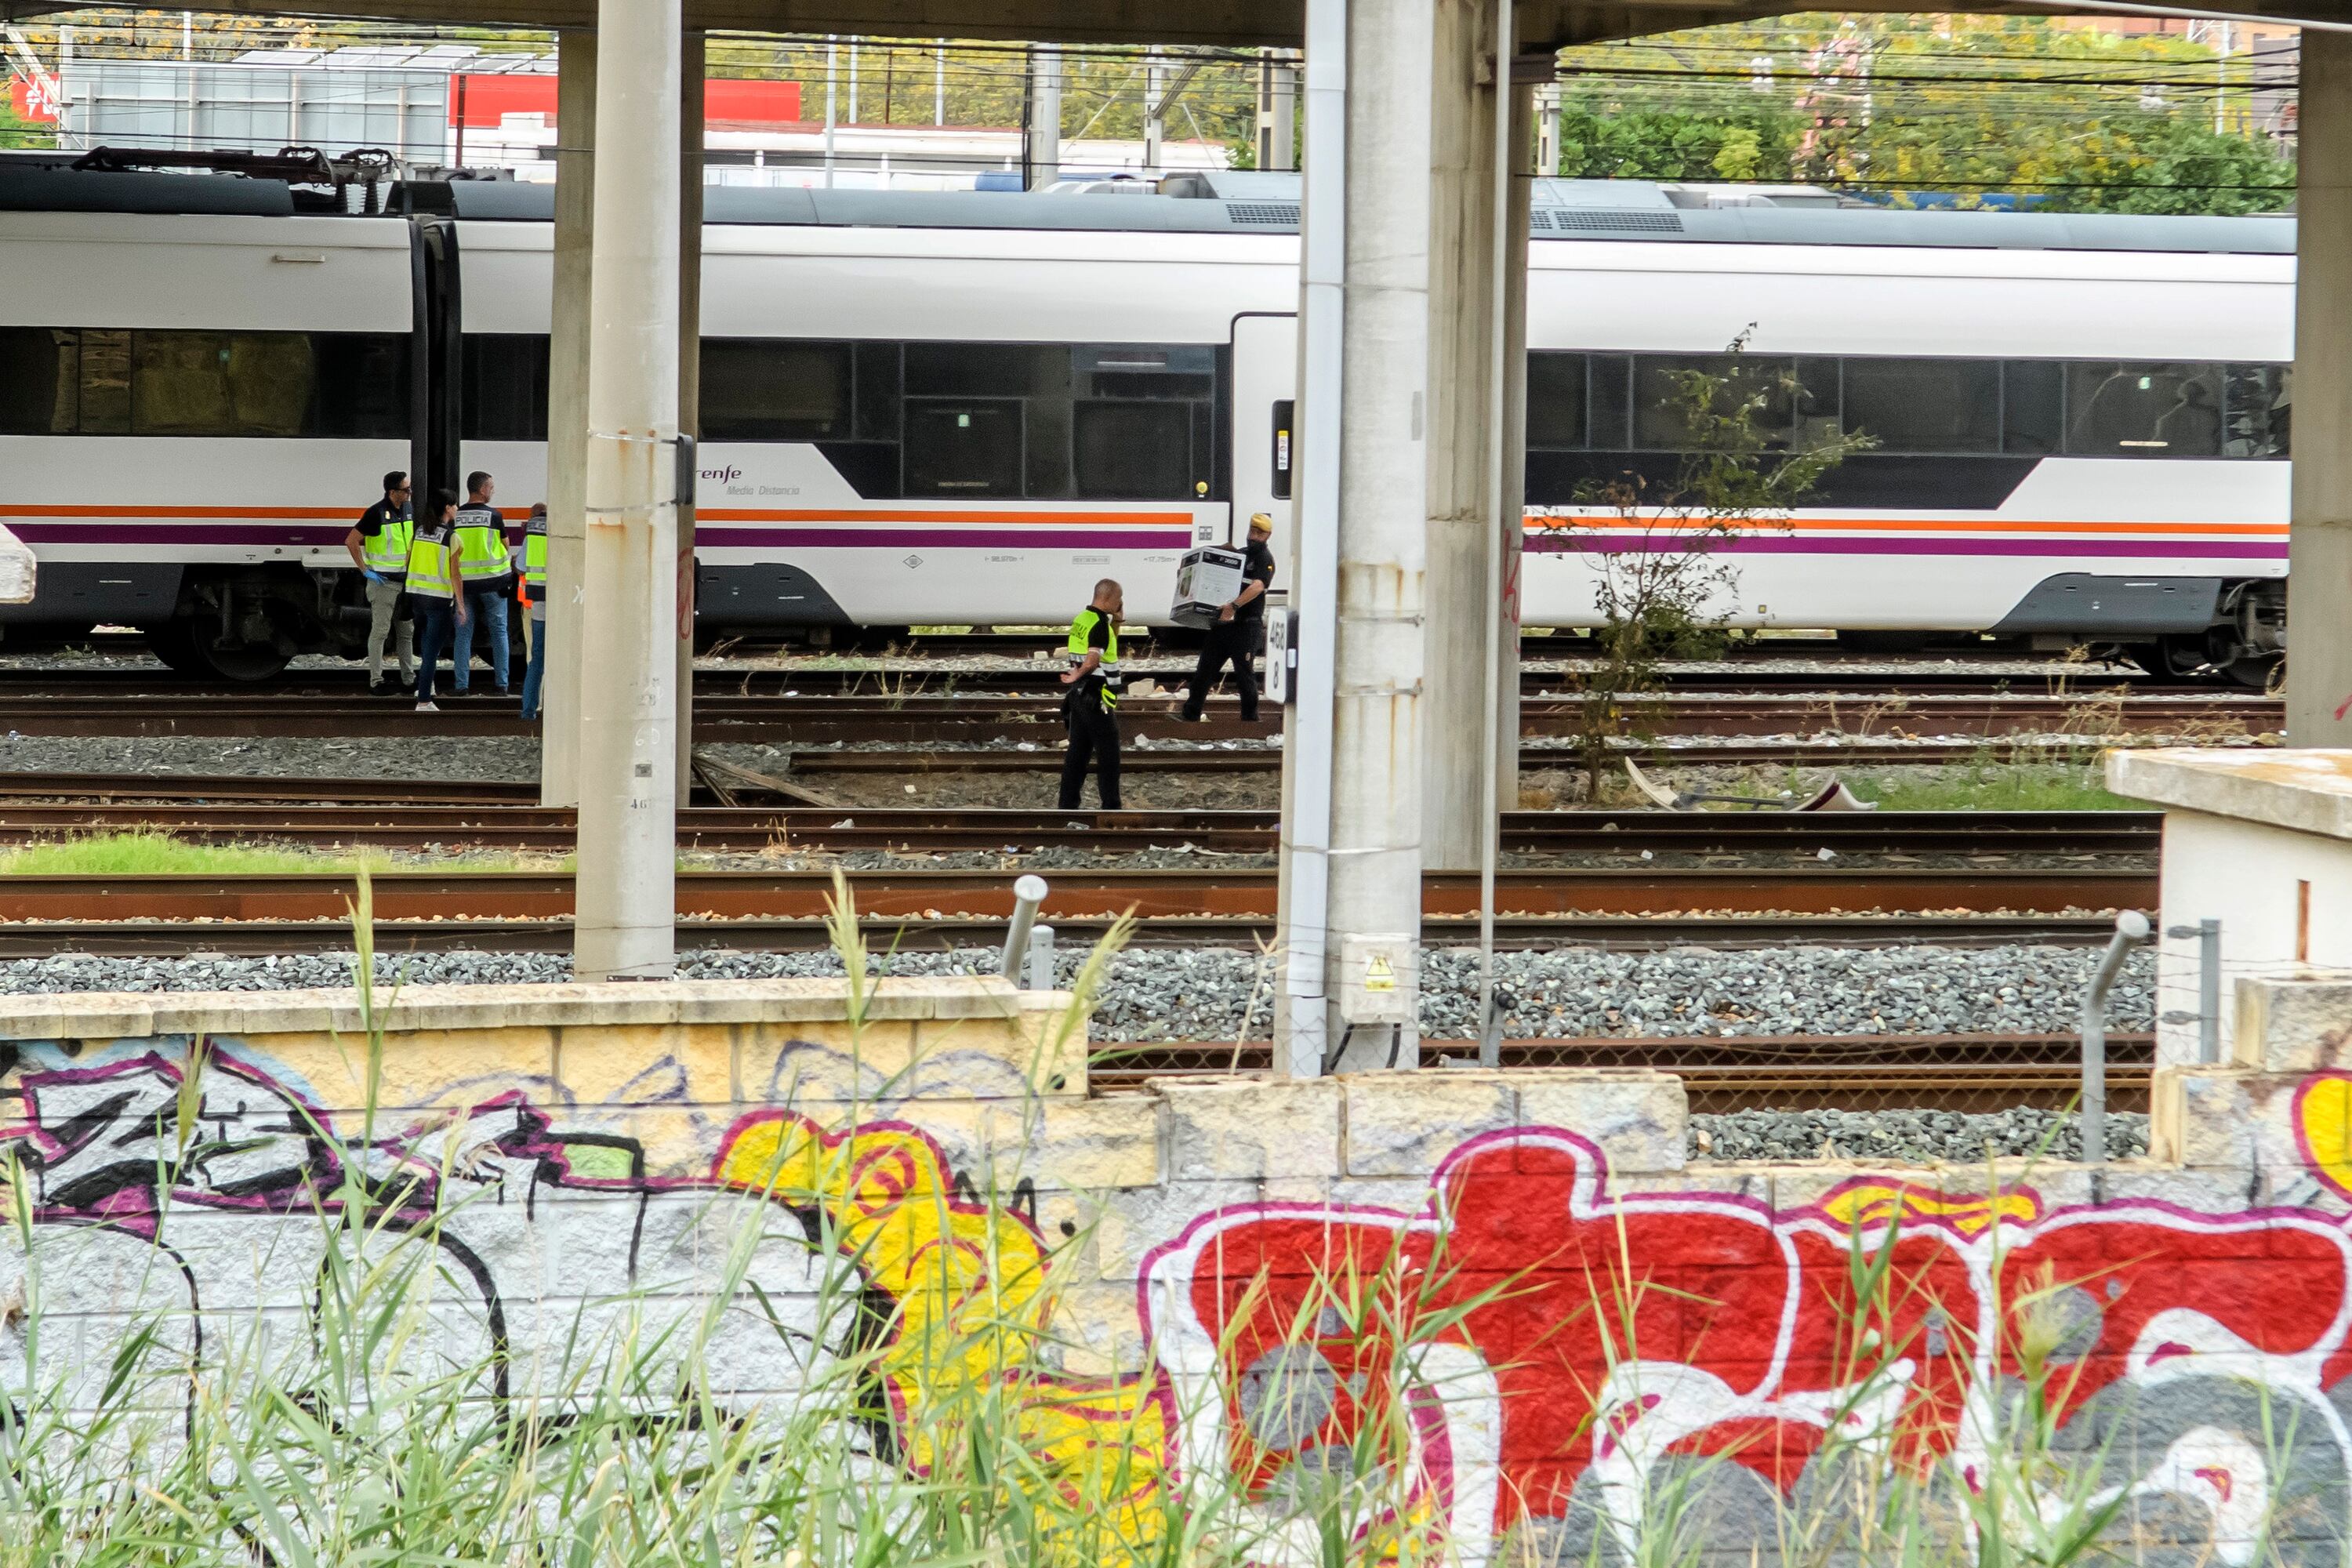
x: 1662, y: 590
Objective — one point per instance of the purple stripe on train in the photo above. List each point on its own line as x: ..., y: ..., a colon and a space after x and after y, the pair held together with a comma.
x: 1569, y: 541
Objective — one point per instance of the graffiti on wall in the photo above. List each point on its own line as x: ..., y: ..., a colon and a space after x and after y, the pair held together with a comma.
x: 1548, y: 1360
x: 1535, y: 1359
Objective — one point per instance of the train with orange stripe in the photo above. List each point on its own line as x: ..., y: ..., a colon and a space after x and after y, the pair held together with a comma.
x: 928, y: 407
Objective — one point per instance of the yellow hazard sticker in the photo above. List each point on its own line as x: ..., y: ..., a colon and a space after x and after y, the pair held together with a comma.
x: 1378, y: 974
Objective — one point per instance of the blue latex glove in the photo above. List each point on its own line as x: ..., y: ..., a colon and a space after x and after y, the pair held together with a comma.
x: 371, y: 576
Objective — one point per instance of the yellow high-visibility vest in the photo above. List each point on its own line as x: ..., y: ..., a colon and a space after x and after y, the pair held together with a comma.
x: 481, y: 545
x: 428, y: 562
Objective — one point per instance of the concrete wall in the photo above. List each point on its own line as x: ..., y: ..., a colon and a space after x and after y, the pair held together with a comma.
x: 1570, y: 1315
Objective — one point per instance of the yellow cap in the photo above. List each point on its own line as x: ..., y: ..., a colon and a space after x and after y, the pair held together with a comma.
x: 1261, y: 520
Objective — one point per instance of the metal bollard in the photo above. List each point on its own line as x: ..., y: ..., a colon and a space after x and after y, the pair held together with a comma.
x: 1027, y: 894
x: 1041, y: 958
x: 2208, y: 1016
x: 2131, y: 930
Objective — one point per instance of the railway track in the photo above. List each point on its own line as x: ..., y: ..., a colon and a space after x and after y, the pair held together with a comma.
x: 1240, y: 895
x: 1781, y: 1072
x: 503, y: 825
x: 815, y: 721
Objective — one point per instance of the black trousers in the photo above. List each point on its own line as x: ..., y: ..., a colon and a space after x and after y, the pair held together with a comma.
x: 1234, y: 642
x: 1092, y: 733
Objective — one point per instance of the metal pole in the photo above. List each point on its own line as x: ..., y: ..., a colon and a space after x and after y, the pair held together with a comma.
x: 1155, y: 128
x: 1028, y: 893
x: 2209, y: 990
x: 1498, y: 333
x: 625, y: 927
x: 1045, y: 119
x: 1303, y: 1026
x: 1041, y: 958
x: 852, y: 79
x: 939, y: 84
x: 832, y: 63
x: 1284, y: 131
x: 2131, y: 930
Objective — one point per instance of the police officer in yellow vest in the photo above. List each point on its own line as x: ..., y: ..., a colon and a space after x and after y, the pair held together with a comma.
x: 534, y: 593
x: 1092, y: 704
x: 486, y: 576
x: 379, y: 547
x: 433, y: 591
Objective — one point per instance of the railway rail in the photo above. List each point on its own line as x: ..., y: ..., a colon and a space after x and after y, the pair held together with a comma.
x: 813, y: 721
x: 1781, y: 1072
x: 500, y: 824
x: 1245, y: 895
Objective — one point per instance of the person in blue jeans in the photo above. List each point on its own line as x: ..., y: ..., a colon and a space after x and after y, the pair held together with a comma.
x: 534, y: 593
x: 433, y: 591
x: 486, y: 571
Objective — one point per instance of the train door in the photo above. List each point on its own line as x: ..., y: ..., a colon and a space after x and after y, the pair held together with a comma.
x: 1265, y: 364
x: 437, y: 361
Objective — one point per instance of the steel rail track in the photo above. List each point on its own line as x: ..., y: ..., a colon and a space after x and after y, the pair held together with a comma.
x: 1721, y: 1074
x: 1079, y: 893
x: 500, y: 825
x: 180, y: 938
x: 804, y: 720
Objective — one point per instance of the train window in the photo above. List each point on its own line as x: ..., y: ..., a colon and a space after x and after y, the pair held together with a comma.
x: 1134, y: 451
x: 40, y: 380
x: 2033, y: 405
x: 220, y: 384
x: 1555, y: 400
x: 363, y: 386
x: 963, y: 447
x: 105, y: 383
x: 878, y: 392
x: 1610, y: 400
x: 503, y: 395
x: 988, y: 369
x: 2129, y: 409
x: 1799, y: 398
x: 2255, y: 413
x: 758, y: 389
x: 1146, y: 371
x: 1924, y: 404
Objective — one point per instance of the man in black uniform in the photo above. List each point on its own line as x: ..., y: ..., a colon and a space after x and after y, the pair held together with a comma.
x: 1240, y: 630
x: 379, y: 546
x: 1092, y: 704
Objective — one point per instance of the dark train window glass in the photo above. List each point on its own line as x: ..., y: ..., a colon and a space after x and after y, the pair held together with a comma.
x: 2151, y: 409
x: 2033, y: 405
x: 1131, y: 371
x: 1555, y: 400
x: 221, y: 384
x: 105, y: 381
x: 40, y: 380
x: 767, y: 389
x: 1134, y: 451
x: 504, y: 392
x: 364, y: 391
x: 1800, y: 402
x: 1924, y: 404
x: 988, y: 369
x: 2255, y: 416
x: 878, y: 392
x: 1612, y: 402
x: 962, y: 446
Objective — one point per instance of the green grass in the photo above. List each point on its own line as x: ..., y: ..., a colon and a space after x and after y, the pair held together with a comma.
x: 149, y: 854
x: 1989, y: 785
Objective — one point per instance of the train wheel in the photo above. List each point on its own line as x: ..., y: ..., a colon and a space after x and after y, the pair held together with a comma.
x: 173, y: 645
x: 244, y: 664
x: 2258, y: 671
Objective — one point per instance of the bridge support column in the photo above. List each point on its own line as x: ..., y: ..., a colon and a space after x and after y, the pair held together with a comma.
x: 1477, y: 358
x: 2319, y: 560
x: 625, y: 927
x: 1351, y: 859
x: 567, y: 414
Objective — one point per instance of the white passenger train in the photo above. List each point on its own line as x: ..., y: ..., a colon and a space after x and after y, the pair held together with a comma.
x: 928, y: 407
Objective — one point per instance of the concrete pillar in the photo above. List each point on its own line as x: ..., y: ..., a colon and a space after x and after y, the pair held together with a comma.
x: 1378, y: 659
x: 625, y: 924
x: 1477, y: 352
x: 1278, y: 108
x: 2319, y: 559
x: 1045, y: 142
x: 567, y: 414
x: 1155, y: 125
x: 691, y: 63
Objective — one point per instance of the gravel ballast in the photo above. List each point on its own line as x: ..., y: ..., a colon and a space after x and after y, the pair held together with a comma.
x: 1948, y: 1135
x: 1187, y: 995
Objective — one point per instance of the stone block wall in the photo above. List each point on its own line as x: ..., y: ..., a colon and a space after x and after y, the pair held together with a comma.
x: 1569, y: 1314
